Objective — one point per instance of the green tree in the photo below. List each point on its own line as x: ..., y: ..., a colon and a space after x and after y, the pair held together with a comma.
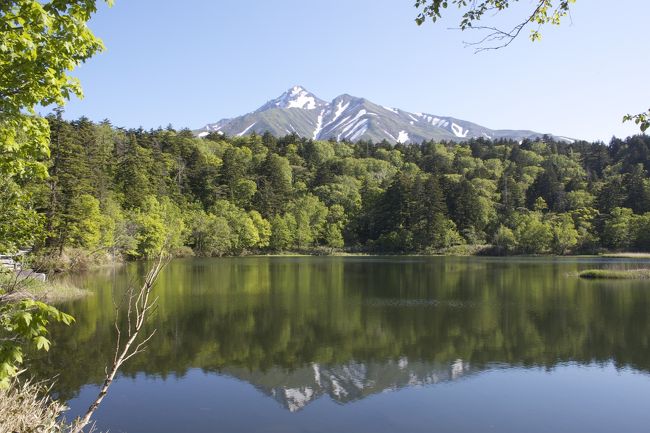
x: 20, y: 224
x: 336, y: 221
x: 131, y: 174
x: 244, y: 234
x: 86, y: 229
x: 504, y: 240
x: 282, y: 232
x: 209, y: 235
x: 618, y: 228
x: 533, y: 234
x: 310, y: 215
x: 274, y: 187
x: 157, y: 226
x: 263, y: 228
x: 42, y: 41
x: 565, y: 235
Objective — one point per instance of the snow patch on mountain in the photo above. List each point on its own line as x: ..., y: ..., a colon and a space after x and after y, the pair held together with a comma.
x: 403, y: 137
x: 296, y: 97
x: 458, y: 130
x: 340, y: 109
x: 300, y: 98
x: 319, y: 125
x: 246, y: 130
x: 359, y: 130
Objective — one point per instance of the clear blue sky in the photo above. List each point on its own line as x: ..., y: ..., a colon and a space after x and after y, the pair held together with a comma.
x: 192, y: 62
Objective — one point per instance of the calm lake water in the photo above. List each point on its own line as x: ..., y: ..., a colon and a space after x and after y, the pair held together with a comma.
x: 367, y: 344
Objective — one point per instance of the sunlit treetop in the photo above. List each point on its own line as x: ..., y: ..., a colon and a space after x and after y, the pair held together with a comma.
x: 41, y: 42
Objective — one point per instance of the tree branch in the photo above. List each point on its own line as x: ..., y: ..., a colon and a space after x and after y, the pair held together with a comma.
x: 142, y: 304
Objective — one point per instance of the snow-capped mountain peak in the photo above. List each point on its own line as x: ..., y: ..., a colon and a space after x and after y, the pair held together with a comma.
x: 346, y: 117
x: 295, y: 97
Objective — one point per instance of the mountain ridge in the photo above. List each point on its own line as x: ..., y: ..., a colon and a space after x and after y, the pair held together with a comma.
x: 353, y: 118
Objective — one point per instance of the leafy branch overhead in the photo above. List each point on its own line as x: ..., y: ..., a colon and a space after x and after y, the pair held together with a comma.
x: 477, y: 12
x: 544, y: 12
x: 641, y: 119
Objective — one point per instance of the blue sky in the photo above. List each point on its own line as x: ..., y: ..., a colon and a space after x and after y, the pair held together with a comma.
x: 197, y: 61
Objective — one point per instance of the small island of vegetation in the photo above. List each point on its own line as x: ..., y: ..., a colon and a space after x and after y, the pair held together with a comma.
x: 614, y: 274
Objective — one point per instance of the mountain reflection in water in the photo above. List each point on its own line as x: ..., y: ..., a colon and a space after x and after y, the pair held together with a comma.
x: 345, y: 383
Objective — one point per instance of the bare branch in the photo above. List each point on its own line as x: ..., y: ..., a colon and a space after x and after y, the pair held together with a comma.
x: 139, y: 305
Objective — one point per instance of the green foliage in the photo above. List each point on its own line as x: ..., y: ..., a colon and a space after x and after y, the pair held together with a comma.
x: 282, y: 232
x: 565, y: 235
x: 263, y: 228
x: 23, y: 324
x: 157, y: 226
x: 210, y: 235
x: 20, y: 224
x: 505, y: 240
x: 585, y: 219
x: 310, y: 215
x: 609, y: 274
x: 86, y: 231
x: 617, y: 232
x: 543, y: 12
x: 134, y: 192
x: 641, y: 119
x: 244, y: 233
x: 41, y: 43
x: 533, y: 234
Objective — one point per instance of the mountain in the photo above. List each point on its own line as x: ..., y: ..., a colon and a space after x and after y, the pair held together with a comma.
x: 350, y: 118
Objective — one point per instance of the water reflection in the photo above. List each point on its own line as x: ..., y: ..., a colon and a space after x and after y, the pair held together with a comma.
x: 301, y: 328
x: 347, y: 382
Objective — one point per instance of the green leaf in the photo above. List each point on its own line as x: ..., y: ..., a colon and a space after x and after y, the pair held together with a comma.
x: 42, y: 343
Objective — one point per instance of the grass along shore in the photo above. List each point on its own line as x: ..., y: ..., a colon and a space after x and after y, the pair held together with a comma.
x: 626, y: 255
x: 50, y: 291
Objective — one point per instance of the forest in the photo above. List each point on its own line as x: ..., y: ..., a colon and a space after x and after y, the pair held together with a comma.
x: 131, y: 192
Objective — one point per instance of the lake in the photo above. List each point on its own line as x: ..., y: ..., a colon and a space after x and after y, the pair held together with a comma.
x: 367, y: 344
